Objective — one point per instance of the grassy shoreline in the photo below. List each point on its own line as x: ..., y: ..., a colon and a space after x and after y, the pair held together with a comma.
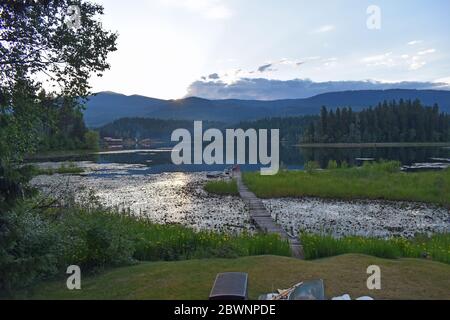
x: 95, y: 238
x: 435, y: 247
x: 60, y: 154
x: 374, y: 145
x: 223, y: 188
x: 379, y: 181
x: 69, y: 169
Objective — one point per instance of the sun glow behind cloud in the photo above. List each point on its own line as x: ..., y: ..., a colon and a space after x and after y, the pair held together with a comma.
x: 210, y: 9
x: 164, y: 71
x: 157, y: 57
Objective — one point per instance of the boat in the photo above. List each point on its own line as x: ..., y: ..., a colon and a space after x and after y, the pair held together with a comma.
x: 365, y: 159
x: 426, y: 167
x: 441, y: 159
x: 214, y: 175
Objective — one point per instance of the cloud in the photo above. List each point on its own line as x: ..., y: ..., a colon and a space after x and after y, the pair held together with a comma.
x: 385, y: 59
x: 209, y: 9
x: 416, y: 63
x: 266, y: 67
x: 219, y: 12
x: 445, y: 83
x: 288, y: 62
x: 376, y: 58
x: 410, y: 61
x: 414, y: 42
x: 214, y: 76
x: 425, y: 52
x: 267, y: 89
x: 330, y: 62
x: 325, y: 28
x: 232, y: 75
x: 283, y: 62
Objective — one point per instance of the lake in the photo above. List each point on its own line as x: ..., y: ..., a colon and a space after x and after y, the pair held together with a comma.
x: 145, y: 183
x: 152, y: 161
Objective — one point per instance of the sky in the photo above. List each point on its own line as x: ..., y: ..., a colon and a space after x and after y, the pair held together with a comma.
x: 170, y: 49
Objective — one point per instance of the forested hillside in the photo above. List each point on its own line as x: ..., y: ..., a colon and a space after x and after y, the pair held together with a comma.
x: 403, y: 121
x: 106, y: 107
x: 291, y: 129
x: 143, y: 128
x: 61, y: 125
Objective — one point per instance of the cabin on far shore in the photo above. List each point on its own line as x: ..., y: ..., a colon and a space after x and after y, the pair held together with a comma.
x: 112, y: 143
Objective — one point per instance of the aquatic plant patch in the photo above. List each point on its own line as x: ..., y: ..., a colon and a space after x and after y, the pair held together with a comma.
x: 222, y: 187
x: 372, y: 181
x: 435, y: 247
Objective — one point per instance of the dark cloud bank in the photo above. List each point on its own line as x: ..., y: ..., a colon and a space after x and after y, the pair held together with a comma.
x: 266, y: 89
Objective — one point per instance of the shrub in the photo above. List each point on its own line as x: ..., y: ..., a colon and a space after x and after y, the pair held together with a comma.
x: 383, y: 166
x: 222, y: 187
x: 92, y: 140
x: 38, y: 243
x: 311, y: 166
x: 344, y: 165
x: 25, y: 254
x: 332, y: 165
x: 93, y: 240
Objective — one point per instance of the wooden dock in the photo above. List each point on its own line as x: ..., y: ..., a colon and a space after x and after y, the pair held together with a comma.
x: 263, y: 219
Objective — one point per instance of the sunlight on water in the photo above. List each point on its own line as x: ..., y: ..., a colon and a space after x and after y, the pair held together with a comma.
x: 163, y: 198
x: 178, y: 197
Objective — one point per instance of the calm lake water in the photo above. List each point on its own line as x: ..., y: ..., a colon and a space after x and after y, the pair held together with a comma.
x: 291, y: 157
x: 147, y: 184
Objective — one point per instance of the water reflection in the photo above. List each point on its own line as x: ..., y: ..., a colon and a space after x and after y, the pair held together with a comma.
x: 406, y: 155
x: 291, y: 157
x: 165, y: 198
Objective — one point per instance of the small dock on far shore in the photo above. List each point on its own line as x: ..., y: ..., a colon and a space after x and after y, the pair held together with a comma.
x: 263, y: 219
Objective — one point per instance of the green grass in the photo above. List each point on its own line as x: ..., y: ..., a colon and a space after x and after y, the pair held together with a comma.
x: 70, y: 168
x: 374, y: 145
x: 193, y: 279
x: 436, y: 247
x: 373, y: 181
x: 44, y: 243
x: 173, y: 242
x: 55, y: 154
x: 222, y: 187
x: 100, y: 238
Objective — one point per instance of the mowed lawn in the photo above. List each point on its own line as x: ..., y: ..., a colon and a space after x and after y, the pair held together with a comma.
x: 400, y: 279
x: 354, y: 183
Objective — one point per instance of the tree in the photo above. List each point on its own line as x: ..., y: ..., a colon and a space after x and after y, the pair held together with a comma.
x: 92, y: 140
x: 406, y: 121
x: 324, y: 123
x: 39, y: 48
x: 35, y: 38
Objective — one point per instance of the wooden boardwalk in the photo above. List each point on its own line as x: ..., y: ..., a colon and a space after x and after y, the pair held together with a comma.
x: 262, y: 218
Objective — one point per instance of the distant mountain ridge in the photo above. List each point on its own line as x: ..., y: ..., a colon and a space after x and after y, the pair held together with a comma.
x: 106, y: 107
